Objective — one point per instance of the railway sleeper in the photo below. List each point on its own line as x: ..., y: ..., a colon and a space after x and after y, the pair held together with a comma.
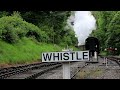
x: 42, y: 72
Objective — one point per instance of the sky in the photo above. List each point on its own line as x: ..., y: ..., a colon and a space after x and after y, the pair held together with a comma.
x: 84, y: 23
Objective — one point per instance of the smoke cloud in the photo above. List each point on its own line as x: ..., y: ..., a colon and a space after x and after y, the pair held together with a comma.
x: 84, y: 23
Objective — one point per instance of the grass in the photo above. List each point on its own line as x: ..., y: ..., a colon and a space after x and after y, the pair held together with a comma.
x: 87, y: 74
x: 26, y: 50
x: 103, y: 53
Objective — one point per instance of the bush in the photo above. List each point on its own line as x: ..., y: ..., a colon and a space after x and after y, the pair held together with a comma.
x: 13, y: 28
x: 36, y: 32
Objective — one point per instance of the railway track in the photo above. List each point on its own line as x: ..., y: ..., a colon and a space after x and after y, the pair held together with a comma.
x: 34, y: 74
x: 113, y: 68
x: 39, y: 69
x: 7, y: 72
x: 79, y: 69
x: 116, y: 59
x: 23, y: 72
x: 37, y: 74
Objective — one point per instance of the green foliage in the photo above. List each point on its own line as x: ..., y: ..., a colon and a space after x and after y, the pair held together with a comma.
x: 12, y: 28
x: 25, y: 35
x: 69, y: 38
x: 16, y: 14
x: 52, y: 22
x: 51, y: 27
x: 4, y: 13
x: 108, y: 32
x: 113, y: 32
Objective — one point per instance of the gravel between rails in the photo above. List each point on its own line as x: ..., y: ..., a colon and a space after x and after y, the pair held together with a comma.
x: 100, y: 71
x: 58, y: 73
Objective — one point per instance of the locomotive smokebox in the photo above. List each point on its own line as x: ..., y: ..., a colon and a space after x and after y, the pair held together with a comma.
x: 92, y: 44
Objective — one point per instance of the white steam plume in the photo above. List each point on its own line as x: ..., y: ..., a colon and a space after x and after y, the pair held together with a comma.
x: 84, y: 23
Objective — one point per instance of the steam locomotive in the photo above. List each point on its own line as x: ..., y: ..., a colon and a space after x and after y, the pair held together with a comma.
x: 92, y: 44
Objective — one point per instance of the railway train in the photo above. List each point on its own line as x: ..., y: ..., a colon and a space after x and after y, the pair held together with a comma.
x: 92, y: 44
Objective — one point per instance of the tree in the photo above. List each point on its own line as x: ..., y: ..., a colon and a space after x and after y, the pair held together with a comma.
x: 108, y: 24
